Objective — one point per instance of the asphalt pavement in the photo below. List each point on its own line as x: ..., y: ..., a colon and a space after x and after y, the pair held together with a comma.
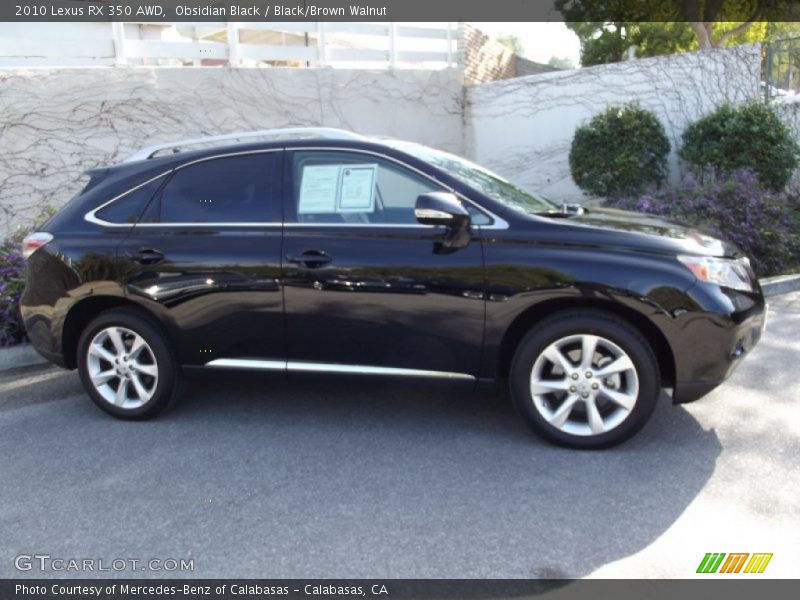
x: 254, y: 476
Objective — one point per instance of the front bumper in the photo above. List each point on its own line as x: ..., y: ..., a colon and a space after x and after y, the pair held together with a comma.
x: 717, y: 353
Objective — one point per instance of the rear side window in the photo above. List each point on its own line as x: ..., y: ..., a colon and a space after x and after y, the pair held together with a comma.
x: 128, y: 208
x: 233, y: 189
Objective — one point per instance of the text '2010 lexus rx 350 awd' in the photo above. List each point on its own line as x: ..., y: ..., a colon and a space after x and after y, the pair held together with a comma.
x: 319, y: 250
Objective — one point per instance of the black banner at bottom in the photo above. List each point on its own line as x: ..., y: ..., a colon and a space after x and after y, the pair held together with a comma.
x: 731, y: 588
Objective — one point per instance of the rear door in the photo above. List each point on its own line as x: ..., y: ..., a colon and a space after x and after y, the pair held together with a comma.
x: 206, y: 258
x: 367, y: 288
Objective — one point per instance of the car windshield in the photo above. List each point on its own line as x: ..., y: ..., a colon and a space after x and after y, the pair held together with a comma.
x: 481, y: 179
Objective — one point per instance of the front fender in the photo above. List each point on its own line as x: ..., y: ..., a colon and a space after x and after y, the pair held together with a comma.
x: 526, y: 281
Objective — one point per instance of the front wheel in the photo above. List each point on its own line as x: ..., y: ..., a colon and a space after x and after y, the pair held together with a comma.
x: 585, y: 380
x: 126, y: 365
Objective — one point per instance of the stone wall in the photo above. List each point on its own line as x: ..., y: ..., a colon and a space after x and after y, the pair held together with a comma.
x: 523, y: 128
x: 56, y: 123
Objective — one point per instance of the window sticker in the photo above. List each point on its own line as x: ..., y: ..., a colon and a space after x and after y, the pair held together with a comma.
x: 357, y: 189
x: 327, y: 189
x: 319, y: 189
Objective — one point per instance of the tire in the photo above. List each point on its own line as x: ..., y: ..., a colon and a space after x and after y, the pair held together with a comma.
x: 146, y: 365
x: 579, y: 406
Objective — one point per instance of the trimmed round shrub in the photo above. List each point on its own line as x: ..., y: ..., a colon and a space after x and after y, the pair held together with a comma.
x: 750, y: 136
x: 737, y: 208
x: 620, y: 151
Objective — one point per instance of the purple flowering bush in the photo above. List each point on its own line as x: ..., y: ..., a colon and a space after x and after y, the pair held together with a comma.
x: 763, y: 223
x: 12, y: 281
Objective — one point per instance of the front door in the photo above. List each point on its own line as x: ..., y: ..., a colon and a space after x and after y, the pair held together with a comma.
x: 368, y: 289
x: 206, y: 258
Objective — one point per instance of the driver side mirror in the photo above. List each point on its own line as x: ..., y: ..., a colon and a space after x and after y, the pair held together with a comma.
x: 441, y: 208
x: 444, y: 208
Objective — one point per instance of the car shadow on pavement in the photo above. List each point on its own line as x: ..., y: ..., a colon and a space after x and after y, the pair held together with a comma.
x: 255, y: 476
x: 405, y: 479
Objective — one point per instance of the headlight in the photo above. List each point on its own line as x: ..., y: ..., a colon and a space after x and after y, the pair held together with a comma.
x: 727, y: 272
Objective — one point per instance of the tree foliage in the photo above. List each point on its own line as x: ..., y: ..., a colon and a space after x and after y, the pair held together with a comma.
x: 609, y: 29
x: 622, y: 150
x: 561, y: 62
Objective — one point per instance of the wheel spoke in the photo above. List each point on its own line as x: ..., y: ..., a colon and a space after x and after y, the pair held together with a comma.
x: 122, y: 393
x: 103, y: 377
x: 623, y: 363
x: 545, y: 386
x: 593, y: 415
x: 626, y: 401
x: 96, y: 349
x: 136, y: 348
x: 563, y: 412
x: 555, y: 356
x: 151, y: 370
x: 141, y: 392
x: 588, y: 348
x: 116, y: 339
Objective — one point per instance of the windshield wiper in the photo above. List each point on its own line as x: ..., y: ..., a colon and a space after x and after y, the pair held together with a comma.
x: 567, y: 210
x: 572, y: 209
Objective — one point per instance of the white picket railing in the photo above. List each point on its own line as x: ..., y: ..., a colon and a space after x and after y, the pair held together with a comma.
x: 371, y: 45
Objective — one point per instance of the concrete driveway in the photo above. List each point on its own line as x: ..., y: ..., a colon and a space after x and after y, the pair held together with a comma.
x: 257, y: 477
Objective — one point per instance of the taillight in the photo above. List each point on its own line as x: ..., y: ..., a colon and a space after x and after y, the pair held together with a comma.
x: 34, y: 241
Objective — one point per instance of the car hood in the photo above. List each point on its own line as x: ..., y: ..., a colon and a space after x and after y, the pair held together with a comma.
x: 687, y: 239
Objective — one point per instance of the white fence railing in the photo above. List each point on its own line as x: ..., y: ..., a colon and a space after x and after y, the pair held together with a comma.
x: 359, y: 45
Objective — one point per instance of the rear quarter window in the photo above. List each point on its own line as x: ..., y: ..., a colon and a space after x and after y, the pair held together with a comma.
x: 128, y: 208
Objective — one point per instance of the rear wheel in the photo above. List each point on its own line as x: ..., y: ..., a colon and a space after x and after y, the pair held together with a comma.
x: 585, y: 380
x: 126, y: 365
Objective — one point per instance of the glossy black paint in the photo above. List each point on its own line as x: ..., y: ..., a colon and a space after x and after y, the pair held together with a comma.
x: 393, y: 296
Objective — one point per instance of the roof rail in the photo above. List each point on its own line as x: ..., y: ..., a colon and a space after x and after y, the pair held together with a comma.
x: 314, y: 132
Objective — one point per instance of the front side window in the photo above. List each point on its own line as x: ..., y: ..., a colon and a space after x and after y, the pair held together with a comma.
x: 351, y: 187
x: 232, y: 189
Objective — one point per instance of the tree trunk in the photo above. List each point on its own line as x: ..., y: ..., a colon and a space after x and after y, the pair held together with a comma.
x: 703, y: 33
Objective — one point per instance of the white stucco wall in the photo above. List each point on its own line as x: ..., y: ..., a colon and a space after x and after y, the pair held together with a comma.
x: 56, y: 123
x: 523, y: 128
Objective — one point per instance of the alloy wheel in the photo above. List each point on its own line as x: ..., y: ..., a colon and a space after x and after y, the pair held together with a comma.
x: 122, y: 367
x: 584, y: 385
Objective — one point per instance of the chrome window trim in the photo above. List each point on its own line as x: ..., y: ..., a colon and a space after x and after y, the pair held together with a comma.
x: 314, y: 367
x: 91, y: 217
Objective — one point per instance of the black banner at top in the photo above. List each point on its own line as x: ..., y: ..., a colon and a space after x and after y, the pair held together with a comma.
x: 397, y: 10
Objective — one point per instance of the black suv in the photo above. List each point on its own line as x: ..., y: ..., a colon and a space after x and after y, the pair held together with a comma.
x: 319, y: 250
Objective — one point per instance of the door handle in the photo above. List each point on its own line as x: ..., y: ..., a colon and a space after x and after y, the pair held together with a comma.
x: 148, y: 256
x: 310, y: 258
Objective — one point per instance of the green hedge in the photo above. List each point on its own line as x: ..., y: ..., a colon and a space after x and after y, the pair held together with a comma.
x: 750, y: 136
x: 623, y: 150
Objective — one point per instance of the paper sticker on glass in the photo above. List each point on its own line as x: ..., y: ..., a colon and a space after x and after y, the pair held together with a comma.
x: 357, y: 188
x: 328, y: 189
